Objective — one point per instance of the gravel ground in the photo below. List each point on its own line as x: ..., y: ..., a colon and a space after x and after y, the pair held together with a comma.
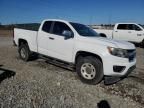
x: 37, y: 84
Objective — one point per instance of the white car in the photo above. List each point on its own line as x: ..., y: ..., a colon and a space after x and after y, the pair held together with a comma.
x: 78, y: 46
x: 131, y: 32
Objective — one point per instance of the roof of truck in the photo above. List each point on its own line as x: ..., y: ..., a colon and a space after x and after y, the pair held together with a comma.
x: 126, y: 23
x: 55, y: 20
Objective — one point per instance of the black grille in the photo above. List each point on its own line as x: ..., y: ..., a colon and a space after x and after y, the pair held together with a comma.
x: 131, y: 55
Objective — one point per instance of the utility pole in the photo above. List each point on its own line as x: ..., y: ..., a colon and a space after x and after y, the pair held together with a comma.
x: 90, y: 21
x: 109, y: 20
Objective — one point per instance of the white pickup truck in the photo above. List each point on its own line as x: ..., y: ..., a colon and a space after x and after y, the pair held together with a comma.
x: 77, y: 45
x: 131, y: 32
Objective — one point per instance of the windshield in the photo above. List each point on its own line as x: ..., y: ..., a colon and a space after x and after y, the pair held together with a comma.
x: 84, y: 30
x: 141, y: 25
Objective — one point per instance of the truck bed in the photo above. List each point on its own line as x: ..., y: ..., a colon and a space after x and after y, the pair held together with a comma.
x: 29, y: 35
x: 29, y: 26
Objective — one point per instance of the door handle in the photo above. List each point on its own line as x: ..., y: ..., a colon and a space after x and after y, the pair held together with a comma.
x: 116, y: 31
x: 129, y: 31
x: 51, y: 38
x: 139, y: 34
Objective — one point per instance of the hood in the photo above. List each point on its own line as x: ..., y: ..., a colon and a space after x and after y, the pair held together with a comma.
x: 109, y: 42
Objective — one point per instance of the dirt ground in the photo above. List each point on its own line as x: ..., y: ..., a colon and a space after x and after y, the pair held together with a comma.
x: 6, y: 33
x: 37, y: 84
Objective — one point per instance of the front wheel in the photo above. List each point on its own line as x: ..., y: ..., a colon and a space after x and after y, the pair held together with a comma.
x: 89, y: 69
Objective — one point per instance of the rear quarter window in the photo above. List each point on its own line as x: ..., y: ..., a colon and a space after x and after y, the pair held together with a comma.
x: 47, y: 26
x: 122, y: 27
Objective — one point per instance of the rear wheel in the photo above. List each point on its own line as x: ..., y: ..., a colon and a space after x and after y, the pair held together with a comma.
x: 89, y: 69
x: 24, y: 52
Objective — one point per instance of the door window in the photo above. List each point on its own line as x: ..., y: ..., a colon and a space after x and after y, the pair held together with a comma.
x: 59, y: 28
x: 47, y: 26
x: 133, y: 27
x: 137, y: 28
x: 128, y: 27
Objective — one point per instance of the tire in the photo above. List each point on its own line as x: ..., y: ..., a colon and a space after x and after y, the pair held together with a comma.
x: 89, y: 70
x: 24, y: 52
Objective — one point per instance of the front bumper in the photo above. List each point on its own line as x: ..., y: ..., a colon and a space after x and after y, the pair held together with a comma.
x: 110, y: 62
x: 129, y: 71
x: 113, y: 79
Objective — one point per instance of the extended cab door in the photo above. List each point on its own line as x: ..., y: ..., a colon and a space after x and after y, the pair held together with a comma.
x: 43, y: 38
x: 128, y: 32
x: 61, y: 46
x: 56, y: 44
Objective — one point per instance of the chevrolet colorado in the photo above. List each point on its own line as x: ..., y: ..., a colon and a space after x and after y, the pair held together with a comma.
x: 93, y: 57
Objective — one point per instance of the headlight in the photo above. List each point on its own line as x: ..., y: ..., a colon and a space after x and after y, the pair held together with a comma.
x: 118, y: 52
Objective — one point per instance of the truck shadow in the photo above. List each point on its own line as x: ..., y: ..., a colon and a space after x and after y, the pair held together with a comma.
x: 4, y: 74
x: 137, y: 78
x: 103, y: 104
x: 112, y: 80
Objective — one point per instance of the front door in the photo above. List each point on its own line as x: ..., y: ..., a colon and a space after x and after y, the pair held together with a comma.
x: 57, y: 45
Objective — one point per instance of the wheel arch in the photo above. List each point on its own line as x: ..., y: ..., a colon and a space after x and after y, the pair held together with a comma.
x: 22, y: 41
x: 102, y: 35
x: 85, y: 53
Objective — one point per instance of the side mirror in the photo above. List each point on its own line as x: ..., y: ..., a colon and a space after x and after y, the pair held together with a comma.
x: 138, y: 29
x: 67, y: 34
